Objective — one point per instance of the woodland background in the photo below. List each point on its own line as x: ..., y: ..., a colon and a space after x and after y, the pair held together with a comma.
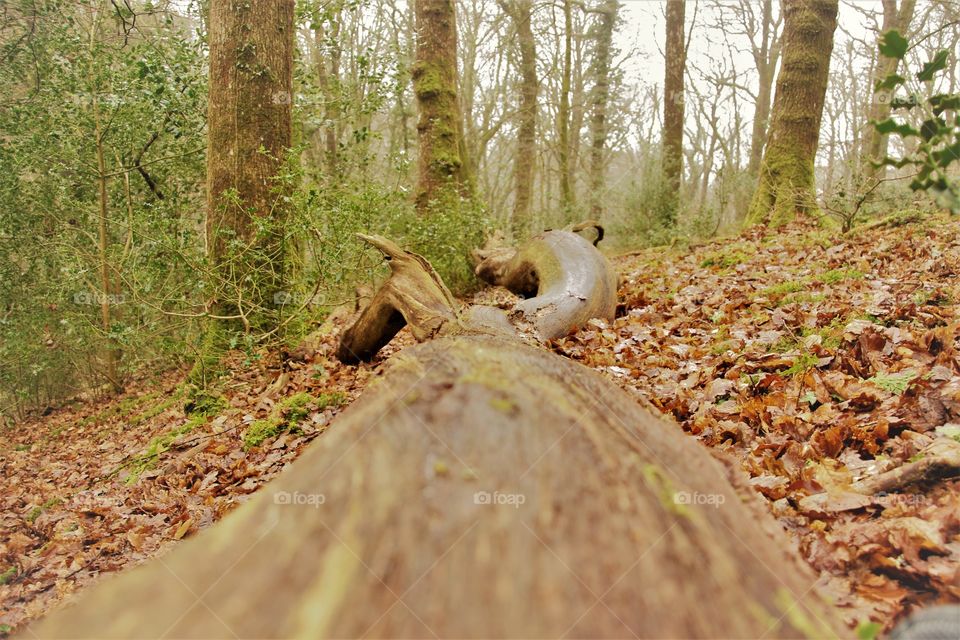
x: 103, y: 153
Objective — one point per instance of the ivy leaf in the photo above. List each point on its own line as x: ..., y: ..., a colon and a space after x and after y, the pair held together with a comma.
x: 893, y: 45
x: 939, y: 63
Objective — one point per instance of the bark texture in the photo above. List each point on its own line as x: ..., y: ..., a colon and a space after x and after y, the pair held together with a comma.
x: 786, y: 183
x: 249, y: 133
x: 676, y: 60
x: 442, y: 168
x: 563, y: 111
x: 766, y: 54
x: 599, y: 101
x: 875, y: 143
x: 526, y: 159
x: 479, y: 488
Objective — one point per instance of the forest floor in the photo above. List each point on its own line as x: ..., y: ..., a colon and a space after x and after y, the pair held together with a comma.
x: 816, y: 360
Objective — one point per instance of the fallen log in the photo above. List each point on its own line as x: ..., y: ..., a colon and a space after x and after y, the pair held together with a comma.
x: 564, y: 279
x: 479, y: 488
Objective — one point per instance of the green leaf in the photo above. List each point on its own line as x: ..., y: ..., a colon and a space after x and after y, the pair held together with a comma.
x: 939, y: 63
x: 892, y: 126
x: 893, y: 45
x: 895, y: 383
x: 944, y: 101
x: 892, y: 81
x: 947, y: 155
x: 930, y: 128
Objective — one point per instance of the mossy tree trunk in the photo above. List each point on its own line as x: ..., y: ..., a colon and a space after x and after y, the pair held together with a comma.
x: 875, y: 143
x: 480, y: 487
x: 525, y: 162
x: 672, y: 160
x: 442, y: 170
x: 249, y: 134
x: 599, y: 101
x: 786, y: 183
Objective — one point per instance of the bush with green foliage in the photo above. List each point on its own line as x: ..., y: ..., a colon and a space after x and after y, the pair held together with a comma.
x: 937, y: 140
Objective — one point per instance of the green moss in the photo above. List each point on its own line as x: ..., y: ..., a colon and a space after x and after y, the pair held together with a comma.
x: 867, y: 630
x: 839, y: 275
x: 8, y: 575
x: 36, y: 511
x: 204, y: 403
x: 504, y: 405
x: 261, y: 430
x: 287, y: 415
x: 782, y: 289
x: 160, y: 445
x: 725, y: 258
x: 658, y: 481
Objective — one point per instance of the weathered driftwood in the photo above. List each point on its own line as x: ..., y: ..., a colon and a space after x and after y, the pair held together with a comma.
x: 564, y: 279
x: 480, y: 487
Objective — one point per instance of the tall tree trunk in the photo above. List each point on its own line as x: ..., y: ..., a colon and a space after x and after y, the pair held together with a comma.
x: 332, y: 94
x: 672, y: 161
x: 875, y: 144
x: 563, y: 113
x: 525, y: 162
x: 111, y: 352
x: 599, y: 100
x: 576, y: 120
x: 786, y: 185
x: 442, y: 171
x: 765, y: 58
x: 249, y: 134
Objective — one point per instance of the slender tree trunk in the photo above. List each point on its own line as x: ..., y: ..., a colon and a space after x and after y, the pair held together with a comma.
x: 563, y: 114
x: 786, y: 184
x: 249, y: 134
x: 766, y: 60
x: 576, y: 121
x: 111, y: 354
x: 599, y: 101
x: 672, y: 161
x: 441, y: 166
x: 875, y: 145
x: 332, y: 94
x: 525, y: 161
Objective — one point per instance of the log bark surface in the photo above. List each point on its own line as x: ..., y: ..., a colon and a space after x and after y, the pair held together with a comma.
x: 479, y: 488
